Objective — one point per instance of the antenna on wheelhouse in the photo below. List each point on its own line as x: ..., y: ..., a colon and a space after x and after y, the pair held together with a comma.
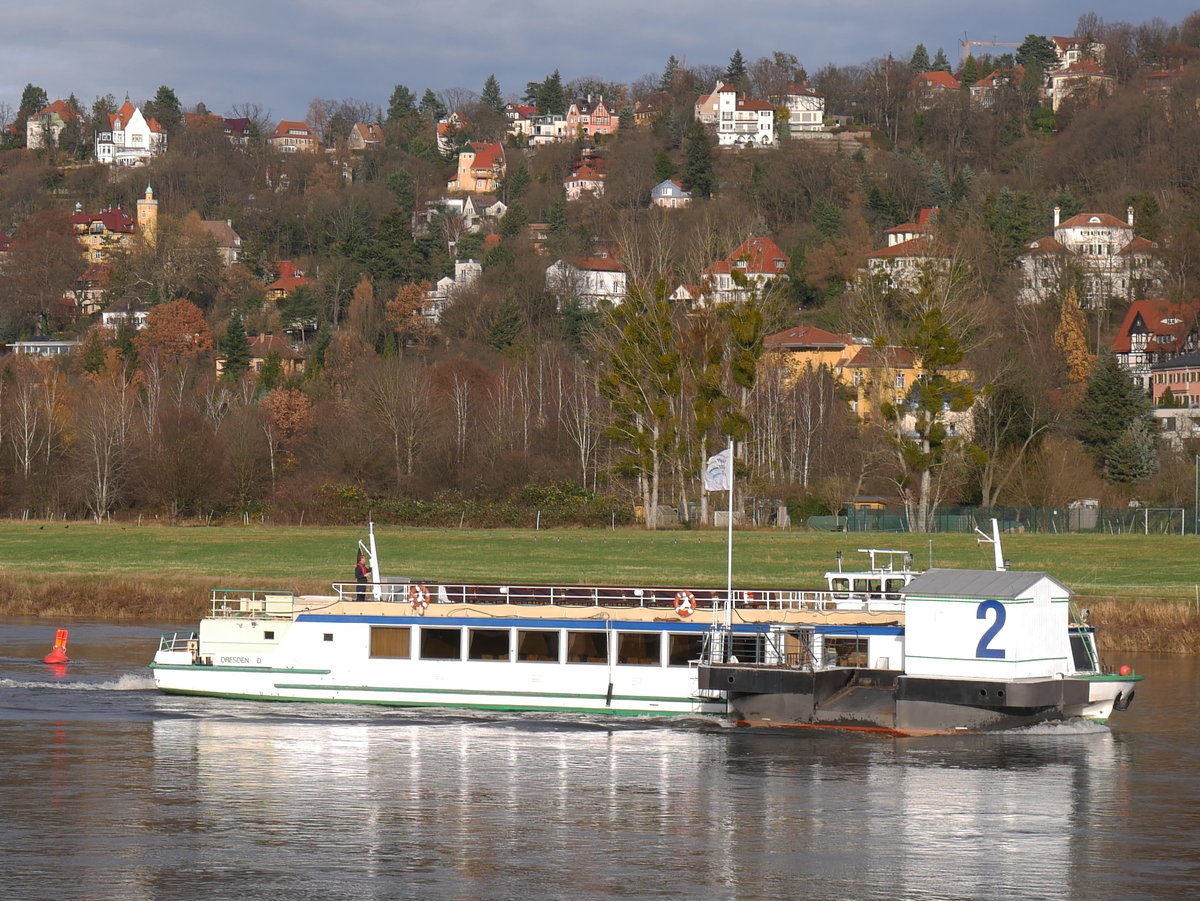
x: 994, y: 541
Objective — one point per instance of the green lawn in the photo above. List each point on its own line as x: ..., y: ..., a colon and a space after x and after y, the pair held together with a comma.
x: 308, y: 559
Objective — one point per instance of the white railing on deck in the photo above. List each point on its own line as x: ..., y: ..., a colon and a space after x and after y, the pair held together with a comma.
x: 257, y: 603
x: 178, y: 641
x: 615, y: 596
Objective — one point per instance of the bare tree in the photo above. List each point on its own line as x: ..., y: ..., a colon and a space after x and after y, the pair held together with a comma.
x: 104, y: 440
x: 400, y: 400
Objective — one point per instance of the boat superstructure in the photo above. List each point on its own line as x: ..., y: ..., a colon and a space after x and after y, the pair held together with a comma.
x: 883, y: 649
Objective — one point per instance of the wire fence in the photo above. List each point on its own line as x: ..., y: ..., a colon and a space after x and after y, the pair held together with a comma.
x: 1102, y: 520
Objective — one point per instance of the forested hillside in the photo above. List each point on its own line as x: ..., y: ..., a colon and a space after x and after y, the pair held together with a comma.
x: 521, y: 397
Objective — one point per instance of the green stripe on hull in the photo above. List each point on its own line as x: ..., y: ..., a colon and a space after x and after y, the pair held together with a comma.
x: 241, y: 669
x: 477, y: 692
x: 513, y: 708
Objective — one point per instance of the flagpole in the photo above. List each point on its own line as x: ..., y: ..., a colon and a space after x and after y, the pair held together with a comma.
x: 729, y: 548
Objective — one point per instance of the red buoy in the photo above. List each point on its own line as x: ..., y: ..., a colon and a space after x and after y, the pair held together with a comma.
x: 58, y: 653
x: 1125, y: 670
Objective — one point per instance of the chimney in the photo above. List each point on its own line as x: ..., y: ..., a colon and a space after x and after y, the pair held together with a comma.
x: 1057, y: 213
x: 1129, y: 215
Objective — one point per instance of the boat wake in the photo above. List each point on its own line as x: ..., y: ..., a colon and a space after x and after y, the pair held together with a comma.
x: 1077, y: 726
x: 125, y: 682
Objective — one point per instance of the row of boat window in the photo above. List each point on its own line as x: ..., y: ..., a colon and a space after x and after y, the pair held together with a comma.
x: 537, y: 645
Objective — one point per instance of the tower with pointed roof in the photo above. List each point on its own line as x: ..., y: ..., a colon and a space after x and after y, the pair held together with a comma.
x: 147, y: 216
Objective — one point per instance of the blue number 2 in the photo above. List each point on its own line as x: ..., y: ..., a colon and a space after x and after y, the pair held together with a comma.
x: 982, y: 650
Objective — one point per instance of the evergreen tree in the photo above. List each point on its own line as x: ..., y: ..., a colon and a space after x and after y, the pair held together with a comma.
x: 670, y: 73
x: 404, y: 189
x: 516, y: 182
x: 402, y: 104
x: 625, y: 120
x: 919, y: 61
x: 735, y: 72
x: 270, y: 374
x: 33, y: 101
x: 940, y: 63
x: 431, y: 106
x: 970, y: 72
x: 548, y: 96
x: 1038, y: 55
x: 1133, y: 455
x: 165, y: 108
x: 1112, y: 404
x: 698, y: 176
x: 236, y: 349
x: 490, y: 96
x: 664, y: 167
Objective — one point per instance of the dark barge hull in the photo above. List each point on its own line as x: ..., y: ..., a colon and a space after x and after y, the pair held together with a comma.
x: 886, y: 701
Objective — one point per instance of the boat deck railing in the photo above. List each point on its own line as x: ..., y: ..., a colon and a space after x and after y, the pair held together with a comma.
x: 257, y: 603
x: 670, y: 597
x: 178, y: 641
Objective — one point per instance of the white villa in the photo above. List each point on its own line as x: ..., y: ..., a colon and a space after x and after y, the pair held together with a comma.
x: 132, y: 139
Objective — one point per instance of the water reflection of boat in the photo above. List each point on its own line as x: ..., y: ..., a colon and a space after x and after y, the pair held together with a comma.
x: 883, y: 650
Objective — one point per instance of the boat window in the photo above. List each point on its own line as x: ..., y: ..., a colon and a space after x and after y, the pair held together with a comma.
x: 441, y: 644
x: 268, y: 635
x: 682, y: 649
x: 871, y: 585
x: 391, y: 641
x: 587, y: 647
x: 537, y: 644
x: 845, y: 651
x: 1080, y: 655
x: 893, y: 585
x: 839, y: 584
x: 639, y: 648
x: 487, y: 644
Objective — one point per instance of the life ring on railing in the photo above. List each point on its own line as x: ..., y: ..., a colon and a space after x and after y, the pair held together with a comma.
x: 418, y: 596
x: 685, y: 603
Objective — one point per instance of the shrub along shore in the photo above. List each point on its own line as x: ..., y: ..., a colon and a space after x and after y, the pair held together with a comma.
x: 1142, y: 591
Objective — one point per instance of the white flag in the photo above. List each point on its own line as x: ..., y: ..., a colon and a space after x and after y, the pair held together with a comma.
x: 717, y: 472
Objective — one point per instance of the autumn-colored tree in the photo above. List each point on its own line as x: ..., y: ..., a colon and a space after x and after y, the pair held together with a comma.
x: 366, y: 316
x: 174, y: 330
x: 403, y: 314
x: 43, y: 263
x: 1070, y: 337
x: 287, y: 415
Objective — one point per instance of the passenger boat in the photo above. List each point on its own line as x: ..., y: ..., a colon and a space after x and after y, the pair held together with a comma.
x: 882, y: 649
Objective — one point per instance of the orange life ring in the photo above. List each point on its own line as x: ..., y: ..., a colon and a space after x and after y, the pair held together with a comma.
x: 418, y: 596
x: 685, y: 603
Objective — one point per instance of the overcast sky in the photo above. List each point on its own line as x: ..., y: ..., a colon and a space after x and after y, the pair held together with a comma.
x: 282, y: 53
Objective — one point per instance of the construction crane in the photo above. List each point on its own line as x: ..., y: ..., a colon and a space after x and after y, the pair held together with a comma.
x: 967, y: 45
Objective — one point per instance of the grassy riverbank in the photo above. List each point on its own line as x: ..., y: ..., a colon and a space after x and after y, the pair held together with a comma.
x: 1141, y: 589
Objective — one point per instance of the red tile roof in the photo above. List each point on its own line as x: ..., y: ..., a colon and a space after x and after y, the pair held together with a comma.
x: 1172, y: 319
x: 871, y: 357
x: 939, y: 79
x: 807, y: 336
x: 1138, y: 245
x: 261, y: 345
x: 487, y: 155
x: 1085, y: 67
x: 1045, y: 245
x: 290, y: 278
x: 924, y: 218
x: 1083, y: 220
x: 921, y: 246
x: 762, y: 255
x: 114, y: 220
x: 61, y: 107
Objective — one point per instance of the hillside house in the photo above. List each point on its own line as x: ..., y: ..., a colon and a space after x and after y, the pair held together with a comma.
x: 365, y: 136
x: 481, y: 166
x: 100, y: 234
x: 806, y: 109
x: 737, y: 120
x: 588, y: 117
x: 1175, y: 393
x: 131, y: 139
x: 1113, y: 265
x: 932, y: 87
x: 670, y: 195
x: 293, y: 137
x: 290, y: 278
x: 759, y: 259
x: 1083, y: 82
x: 44, y: 127
x: 590, y: 280
x: 229, y: 242
x: 1153, y: 332
x: 442, y: 294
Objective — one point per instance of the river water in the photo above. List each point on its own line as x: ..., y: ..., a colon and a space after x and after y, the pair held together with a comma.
x: 110, y: 790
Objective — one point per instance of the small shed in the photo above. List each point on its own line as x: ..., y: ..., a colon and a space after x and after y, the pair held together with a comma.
x: 985, y: 624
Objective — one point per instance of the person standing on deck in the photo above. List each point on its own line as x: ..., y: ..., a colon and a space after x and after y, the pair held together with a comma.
x: 362, y: 575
